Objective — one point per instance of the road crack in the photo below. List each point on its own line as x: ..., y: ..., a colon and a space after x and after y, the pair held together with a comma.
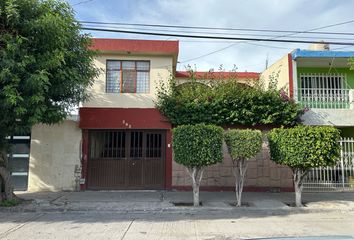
x: 126, y: 231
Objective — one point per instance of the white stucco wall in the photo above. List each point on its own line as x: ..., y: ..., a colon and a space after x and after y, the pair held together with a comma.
x: 279, y: 70
x: 329, y: 117
x: 160, y: 71
x: 54, y: 154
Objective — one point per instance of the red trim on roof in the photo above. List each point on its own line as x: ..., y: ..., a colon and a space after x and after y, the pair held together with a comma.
x: 135, y: 46
x: 218, y: 75
x: 291, y: 80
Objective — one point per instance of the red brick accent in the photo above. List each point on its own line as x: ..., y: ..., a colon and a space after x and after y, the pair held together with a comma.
x: 291, y: 80
x: 122, y: 118
x: 168, y: 172
x: 135, y: 46
x: 218, y: 75
x: 84, y: 160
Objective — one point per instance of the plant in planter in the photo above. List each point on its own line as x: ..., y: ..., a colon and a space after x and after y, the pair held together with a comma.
x: 242, y: 145
x: 196, y: 147
x: 302, y: 148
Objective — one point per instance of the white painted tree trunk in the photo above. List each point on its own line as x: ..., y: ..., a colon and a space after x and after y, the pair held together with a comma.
x: 196, y: 174
x: 239, y: 168
x: 6, y: 177
x: 298, y: 175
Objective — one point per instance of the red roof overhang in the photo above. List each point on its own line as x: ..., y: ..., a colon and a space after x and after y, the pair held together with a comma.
x: 218, y: 75
x: 135, y: 46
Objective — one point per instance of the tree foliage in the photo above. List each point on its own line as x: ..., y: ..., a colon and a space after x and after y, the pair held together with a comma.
x: 45, y: 64
x: 244, y: 144
x: 197, y: 145
x: 226, y: 102
x: 304, y: 147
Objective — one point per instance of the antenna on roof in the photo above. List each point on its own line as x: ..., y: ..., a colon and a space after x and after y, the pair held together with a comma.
x: 266, y: 63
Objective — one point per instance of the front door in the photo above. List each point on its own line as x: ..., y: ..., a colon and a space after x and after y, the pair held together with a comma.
x: 126, y: 159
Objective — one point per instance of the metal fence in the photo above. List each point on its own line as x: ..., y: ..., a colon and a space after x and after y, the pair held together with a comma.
x: 324, y: 98
x: 337, y: 178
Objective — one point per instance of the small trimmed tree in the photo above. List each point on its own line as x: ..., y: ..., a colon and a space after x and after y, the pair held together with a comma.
x: 302, y: 148
x: 196, y: 147
x: 242, y: 145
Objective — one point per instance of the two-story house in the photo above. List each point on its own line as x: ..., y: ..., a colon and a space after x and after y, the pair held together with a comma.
x: 322, y: 82
x: 119, y: 140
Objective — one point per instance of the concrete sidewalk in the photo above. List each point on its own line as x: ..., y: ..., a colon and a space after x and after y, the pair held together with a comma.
x: 164, y: 201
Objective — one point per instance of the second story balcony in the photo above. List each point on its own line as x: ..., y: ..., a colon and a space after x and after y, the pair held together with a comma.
x: 325, y: 91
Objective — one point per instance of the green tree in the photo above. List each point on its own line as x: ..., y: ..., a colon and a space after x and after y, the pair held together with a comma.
x: 302, y: 148
x: 242, y: 146
x: 226, y: 102
x: 45, y: 67
x: 196, y: 147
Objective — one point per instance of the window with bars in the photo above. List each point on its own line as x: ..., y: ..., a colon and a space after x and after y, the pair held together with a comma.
x: 322, y: 81
x: 127, y: 76
x: 321, y: 90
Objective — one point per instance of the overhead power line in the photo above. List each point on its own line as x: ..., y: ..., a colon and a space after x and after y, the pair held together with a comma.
x: 82, y: 2
x: 286, y: 35
x: 218, y: 33
x: 225, y: 29
x: 213, y: 37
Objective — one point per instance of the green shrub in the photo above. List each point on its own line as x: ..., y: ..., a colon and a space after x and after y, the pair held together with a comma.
x: 196, y: 147
x: 226, y: 103
x: 9, y: 203
x: 242, y: 145
x: 302, y: 148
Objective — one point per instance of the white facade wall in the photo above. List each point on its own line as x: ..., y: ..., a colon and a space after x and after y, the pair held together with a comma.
x: 160, y: 71
x: 55, y: 150
x: 278, y: 70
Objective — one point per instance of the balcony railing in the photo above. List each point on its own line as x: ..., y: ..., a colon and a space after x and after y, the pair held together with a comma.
x: 324, y: 98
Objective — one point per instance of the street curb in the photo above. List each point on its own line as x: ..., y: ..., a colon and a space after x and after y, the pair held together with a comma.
x: 290, y: 210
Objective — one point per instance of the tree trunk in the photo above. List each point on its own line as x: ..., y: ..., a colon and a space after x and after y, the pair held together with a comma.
x: 196, y: 174
x: 298, y: 175
x: 239, y: 168
x: 6, y: 177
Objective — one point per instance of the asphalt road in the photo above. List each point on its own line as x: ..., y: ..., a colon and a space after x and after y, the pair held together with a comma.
x: 174, y: 225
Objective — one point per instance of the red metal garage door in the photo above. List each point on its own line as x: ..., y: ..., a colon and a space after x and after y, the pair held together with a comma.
x: 126, y: 159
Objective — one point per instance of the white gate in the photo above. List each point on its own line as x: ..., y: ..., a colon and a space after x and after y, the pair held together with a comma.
x: 337, y: 178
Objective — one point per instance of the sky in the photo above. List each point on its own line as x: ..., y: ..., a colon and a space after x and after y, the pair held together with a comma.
x: 205, y: 55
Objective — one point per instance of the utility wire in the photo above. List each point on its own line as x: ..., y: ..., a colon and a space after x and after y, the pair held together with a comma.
x: 245, y: 40
x: 213, y: 37
x: 220, y: 33
x: 287, y: 35
x: 82, y: 2
x: 227, y: 29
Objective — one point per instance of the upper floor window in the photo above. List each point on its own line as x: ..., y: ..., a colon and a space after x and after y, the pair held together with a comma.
x: 127, y: 76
